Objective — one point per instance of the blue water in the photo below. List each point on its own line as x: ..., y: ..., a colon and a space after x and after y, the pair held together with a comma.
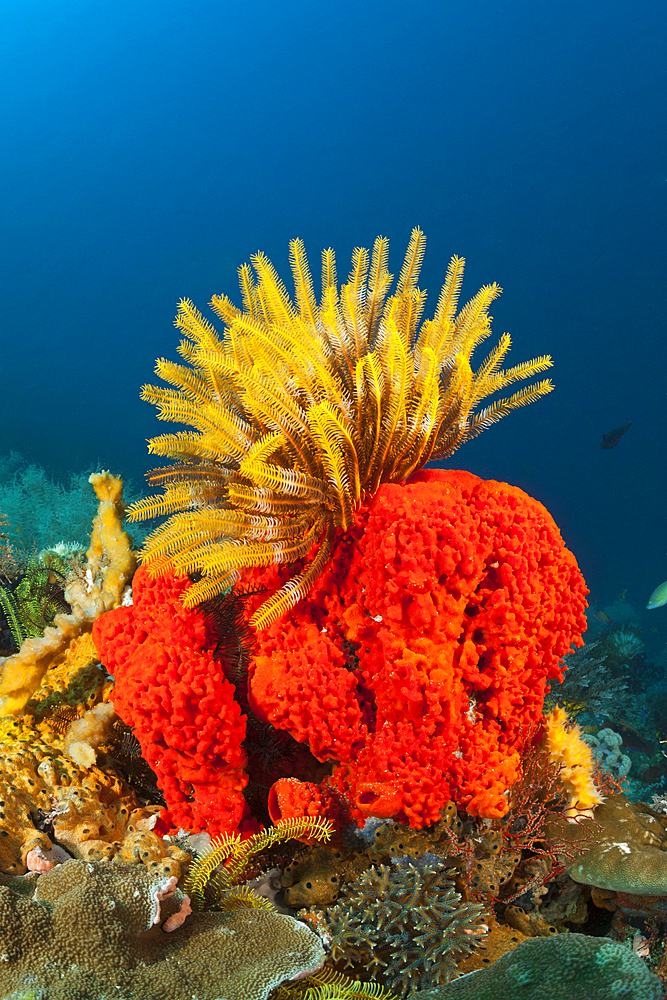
x: 149, y: 148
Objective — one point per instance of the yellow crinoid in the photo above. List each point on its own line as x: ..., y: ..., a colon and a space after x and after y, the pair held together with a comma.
x: 301, y: 411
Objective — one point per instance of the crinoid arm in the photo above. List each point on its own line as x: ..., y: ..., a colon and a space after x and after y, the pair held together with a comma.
x: 301, y: 410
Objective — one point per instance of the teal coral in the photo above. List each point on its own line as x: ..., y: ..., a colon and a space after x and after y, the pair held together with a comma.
x: 564, y: 967
x: 405, y: 926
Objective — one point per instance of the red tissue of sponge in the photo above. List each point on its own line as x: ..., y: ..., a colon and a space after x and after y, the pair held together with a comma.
x: 174, y: 693
x: 419, y: 660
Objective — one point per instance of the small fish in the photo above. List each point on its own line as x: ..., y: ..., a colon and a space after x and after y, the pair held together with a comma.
x: 611, y: 439
x: 621, y: 594
x: 658, y: 597
x: 602, y: 617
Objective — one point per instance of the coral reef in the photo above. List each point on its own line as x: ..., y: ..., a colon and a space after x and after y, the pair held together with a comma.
x: 316, y: 876
x: 588, y: 683
x: 40, y: 511
x: 302, y: 410
x: 406, y: 927
x: 103, y: 931
x: 46, y: 799
x: 215, y: 873
x: 564, y: 967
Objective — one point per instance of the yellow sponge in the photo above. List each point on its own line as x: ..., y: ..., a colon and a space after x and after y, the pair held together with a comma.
x: 569, y: 751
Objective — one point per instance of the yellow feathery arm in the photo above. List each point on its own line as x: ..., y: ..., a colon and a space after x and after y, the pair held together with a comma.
x: 184, y: 445
x: 473, y: 323
x: 182, y: 530
x: 328, y: 271
x: 353, y: 299
x: 177, y: 496
x: 303, y: 282
x: 395, y: 361
x: 409, y: 276
x: 261, y: 500
x: 175, y: 406
x: 339, y: 459
x: 289, y: 482
x: 271, y: 288
x: 420, y: 419
x: 499, y: 409
x: 491, y: 365
x: 277, y: 409
x: 379, y: 280
x: 190, y: 321
x: 188, y: 381
x: 410, y: 312
x: 247, y: 286
x: 220, y: 568
x: 369, y: 379
x: 235, y: 553
x: 499, y: 380
x: 295, y: 589
x: 337, y: 333
x: 211, y: 473
x: 448, y: 300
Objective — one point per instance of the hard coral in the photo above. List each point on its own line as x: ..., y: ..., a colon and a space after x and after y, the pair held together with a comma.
x: 407, y: 927
x: 563, y: 967
x: 173, y: 691
x: 623, y: 847
x: 93, y: 930
x: 420, y: 658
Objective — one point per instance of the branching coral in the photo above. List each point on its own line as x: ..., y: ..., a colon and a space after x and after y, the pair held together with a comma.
x: 406, y: 927
x: 302, y: 410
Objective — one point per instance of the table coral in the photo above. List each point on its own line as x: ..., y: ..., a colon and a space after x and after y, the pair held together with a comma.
x: 419, y: 660
x: 98, y: 930
x: 174, y: 692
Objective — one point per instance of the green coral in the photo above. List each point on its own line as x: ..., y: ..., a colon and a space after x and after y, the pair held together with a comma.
x: 564, y: 967
x: 407, y: 927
